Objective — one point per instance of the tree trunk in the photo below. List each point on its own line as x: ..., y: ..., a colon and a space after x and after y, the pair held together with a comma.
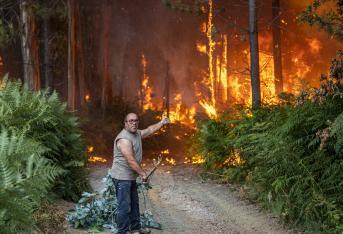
x: 106, y: 94
x: 71, y: 55
x: 277, y: 46
x: 46, y: 48
x: 254, y: 57
x: 29, y: 46
x: 80, y: 58
x: 167, y: 90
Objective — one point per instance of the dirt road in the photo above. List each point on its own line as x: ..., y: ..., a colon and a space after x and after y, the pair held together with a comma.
x: 183, y: 203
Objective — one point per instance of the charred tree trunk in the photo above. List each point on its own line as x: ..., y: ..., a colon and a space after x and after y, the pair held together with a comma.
x: 80, y: 60
x: 277, y: 46
x: 254, y: 57
x: 167, y: 91
x: 71, y: 55
x: 29, y: 46
x: 106, y: 94
x: 46, y: 48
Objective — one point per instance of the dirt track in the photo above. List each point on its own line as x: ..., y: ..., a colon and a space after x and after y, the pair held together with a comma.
x: 183, y: 203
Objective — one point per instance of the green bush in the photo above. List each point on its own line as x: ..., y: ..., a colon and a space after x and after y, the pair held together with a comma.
x: 44, y: 119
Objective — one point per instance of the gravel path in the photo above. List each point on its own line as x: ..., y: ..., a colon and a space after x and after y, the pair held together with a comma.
x: 183, y: 203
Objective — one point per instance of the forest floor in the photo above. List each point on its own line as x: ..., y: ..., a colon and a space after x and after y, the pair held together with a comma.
x: 184, y: 203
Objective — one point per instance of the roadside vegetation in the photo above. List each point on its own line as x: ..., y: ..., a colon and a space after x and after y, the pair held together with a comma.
x: 288, y: 157
x: 41, y: 155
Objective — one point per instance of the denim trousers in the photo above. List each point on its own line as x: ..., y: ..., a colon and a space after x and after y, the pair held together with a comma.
x: 128, y: 216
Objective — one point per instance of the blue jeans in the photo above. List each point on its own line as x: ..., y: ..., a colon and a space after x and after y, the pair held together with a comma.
x: 128, y: 216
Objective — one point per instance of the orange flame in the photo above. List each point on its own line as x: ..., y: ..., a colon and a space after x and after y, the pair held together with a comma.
x: 87, y: 98
x: 97, y: 159
x: 146, y: 89
x: 171, y: 161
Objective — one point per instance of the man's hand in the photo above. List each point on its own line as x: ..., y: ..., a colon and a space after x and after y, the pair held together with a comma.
x: 155, y: 127
x: 144, y: 177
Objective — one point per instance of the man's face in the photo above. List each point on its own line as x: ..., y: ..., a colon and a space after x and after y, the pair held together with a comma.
x: 131, y: 123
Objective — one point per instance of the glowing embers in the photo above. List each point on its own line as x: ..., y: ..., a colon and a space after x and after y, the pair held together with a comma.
x: 97, y: 159
x: 196, y: 159
x: 94, y: 158
x: 171, y: 161
x: 87, y: 98
x: 234, y: 160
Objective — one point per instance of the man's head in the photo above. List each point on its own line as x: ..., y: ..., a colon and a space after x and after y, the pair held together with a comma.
x: 131, y: 122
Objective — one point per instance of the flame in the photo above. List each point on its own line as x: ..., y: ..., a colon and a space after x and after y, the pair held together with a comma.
x: 234, y: 160
x: 284, y: 22
x: 90, y: 149
x: 181, y: 114
x: 222, y: 70
x: 97, y: 159
x: 165, y: 151
x: 201, y: 48
x: 267, y: 78
x: 146, y: 89
x: 87, y: 98
x: 197, y: 159
x: 171, y: 161
x: 211, y: 45
x: 210, y: 109
x: 315, y: 45
x: 209, y: 79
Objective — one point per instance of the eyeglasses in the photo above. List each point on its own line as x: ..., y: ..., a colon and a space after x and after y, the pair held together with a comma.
x: 131, y: 121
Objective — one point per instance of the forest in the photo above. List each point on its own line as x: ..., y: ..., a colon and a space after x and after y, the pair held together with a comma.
x: 253, y: 90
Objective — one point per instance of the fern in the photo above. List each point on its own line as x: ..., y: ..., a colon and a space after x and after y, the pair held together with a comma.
x: 44, y: 118
x: 25, y: 178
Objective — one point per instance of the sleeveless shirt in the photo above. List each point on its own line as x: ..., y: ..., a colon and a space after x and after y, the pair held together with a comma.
x: 120, y: 168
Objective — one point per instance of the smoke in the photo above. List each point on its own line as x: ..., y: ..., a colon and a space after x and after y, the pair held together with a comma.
x: 166, y: 36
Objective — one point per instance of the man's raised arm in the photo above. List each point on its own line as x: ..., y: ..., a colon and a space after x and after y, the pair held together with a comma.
x: 155, y: 127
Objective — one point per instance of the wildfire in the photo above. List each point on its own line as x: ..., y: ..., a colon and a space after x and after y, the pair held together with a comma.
x: 97, y: 159
x: 210, y: 109
x: 146, y: 90
x: 180, y: 113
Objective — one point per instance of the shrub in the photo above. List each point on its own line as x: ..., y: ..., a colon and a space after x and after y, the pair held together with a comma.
x: 25, y: 179
x: 44, y: 119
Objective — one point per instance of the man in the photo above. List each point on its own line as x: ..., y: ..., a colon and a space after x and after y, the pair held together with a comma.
x: 125, y: 169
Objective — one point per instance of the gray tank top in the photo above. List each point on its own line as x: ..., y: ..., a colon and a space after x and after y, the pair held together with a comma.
x: 120, y: 168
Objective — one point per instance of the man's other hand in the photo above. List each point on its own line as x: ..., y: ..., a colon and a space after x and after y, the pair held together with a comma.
x: 144, y: 177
